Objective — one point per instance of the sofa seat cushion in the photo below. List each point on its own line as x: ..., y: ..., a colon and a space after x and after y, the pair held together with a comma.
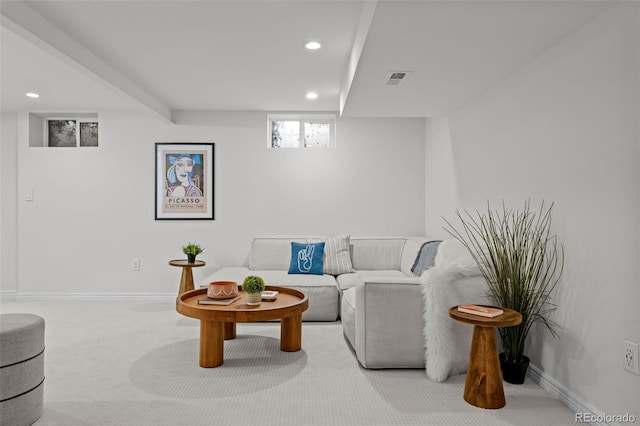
x: 347, y: 281
x: 322, y: 290
x: 278, y: 278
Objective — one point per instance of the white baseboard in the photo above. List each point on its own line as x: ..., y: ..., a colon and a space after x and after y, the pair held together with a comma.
x: 154, y: 297
x: 8, y: 295
x: 575, y: 403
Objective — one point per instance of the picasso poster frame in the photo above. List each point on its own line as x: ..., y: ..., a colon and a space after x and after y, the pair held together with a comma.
x: 184, y: 181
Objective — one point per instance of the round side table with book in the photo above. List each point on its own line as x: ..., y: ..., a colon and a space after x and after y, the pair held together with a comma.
x: 483, y: 386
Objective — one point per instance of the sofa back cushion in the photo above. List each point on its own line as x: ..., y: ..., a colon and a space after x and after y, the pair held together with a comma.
x: 273, y: 253
x: 376, y: 253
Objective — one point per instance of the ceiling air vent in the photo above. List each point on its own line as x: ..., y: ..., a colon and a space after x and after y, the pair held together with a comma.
x: 397, y: 77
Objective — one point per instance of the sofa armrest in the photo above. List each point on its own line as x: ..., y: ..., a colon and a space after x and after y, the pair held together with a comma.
x: 389, y: 323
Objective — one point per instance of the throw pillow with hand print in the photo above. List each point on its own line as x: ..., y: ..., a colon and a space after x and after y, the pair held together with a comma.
x: 306, y: 258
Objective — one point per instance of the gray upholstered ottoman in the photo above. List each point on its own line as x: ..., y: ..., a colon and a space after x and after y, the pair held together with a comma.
x: 21, y: 368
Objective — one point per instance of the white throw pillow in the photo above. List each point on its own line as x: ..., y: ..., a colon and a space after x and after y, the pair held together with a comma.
x: 337, y: 257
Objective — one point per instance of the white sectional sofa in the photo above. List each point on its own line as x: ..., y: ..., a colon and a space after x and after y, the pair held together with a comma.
x: 269, y: 257
x: 380, y: 301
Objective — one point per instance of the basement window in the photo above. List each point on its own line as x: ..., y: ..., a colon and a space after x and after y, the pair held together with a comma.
x: 301, y: 131
x: 71, y: 132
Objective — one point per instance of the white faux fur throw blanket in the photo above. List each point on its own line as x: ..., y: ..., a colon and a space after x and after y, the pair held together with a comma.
x: 453, y: 280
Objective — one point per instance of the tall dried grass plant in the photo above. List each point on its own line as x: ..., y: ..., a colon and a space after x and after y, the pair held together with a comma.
x: 521, y: 262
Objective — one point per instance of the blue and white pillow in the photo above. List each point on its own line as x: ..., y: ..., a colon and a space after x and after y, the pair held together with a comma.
x: 306, y: 258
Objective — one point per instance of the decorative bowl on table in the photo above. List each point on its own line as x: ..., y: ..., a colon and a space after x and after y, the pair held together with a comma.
x: 222, y: 289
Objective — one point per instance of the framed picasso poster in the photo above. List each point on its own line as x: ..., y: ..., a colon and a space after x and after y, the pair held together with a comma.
x: 184, y: 181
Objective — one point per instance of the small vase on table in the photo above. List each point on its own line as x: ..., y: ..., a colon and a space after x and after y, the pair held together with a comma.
x: 253, y: 285
x: 254, y: 299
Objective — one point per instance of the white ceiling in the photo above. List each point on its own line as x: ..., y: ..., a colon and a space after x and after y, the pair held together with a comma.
x: 250, y: 56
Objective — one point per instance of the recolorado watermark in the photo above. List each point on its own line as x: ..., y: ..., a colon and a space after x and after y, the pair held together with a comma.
x: 604, y: 418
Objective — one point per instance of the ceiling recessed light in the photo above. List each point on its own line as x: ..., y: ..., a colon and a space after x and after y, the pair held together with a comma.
x: 311, y: 95
x: 33, y: 95
x: 313, y: 45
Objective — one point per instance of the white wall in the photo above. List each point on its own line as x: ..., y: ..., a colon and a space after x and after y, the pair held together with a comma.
x: 565, y: 129
x: 93, y: 208
x: 8, y: 207
x: 37, y: 130
x: 440, y: 177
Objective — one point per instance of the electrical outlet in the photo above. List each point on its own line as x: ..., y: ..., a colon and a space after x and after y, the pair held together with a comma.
x: 630, y: 356
x: 135, y: 264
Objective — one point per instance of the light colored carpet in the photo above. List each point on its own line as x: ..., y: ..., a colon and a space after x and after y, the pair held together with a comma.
x: 136, y: 363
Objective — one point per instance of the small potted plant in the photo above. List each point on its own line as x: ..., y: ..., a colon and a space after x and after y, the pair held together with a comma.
x: 253, y: 285
x: 192, y: 250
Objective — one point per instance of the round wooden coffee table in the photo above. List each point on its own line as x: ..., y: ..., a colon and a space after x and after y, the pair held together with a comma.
x: 483, y: 386
x: 218, y: 323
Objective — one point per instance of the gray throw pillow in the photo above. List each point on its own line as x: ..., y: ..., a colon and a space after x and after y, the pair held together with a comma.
x: 426, y: 257
x: 337, y: 258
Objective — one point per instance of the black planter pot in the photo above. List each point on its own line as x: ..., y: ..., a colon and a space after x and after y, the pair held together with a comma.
x: 514, y: 372
x: 191, y: 258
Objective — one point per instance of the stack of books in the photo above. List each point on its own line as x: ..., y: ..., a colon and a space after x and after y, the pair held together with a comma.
x: 483, y: 311
x: 269, y: 295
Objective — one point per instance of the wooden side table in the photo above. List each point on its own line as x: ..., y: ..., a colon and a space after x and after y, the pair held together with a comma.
x: 483, y: 386
x: 186, y: 280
